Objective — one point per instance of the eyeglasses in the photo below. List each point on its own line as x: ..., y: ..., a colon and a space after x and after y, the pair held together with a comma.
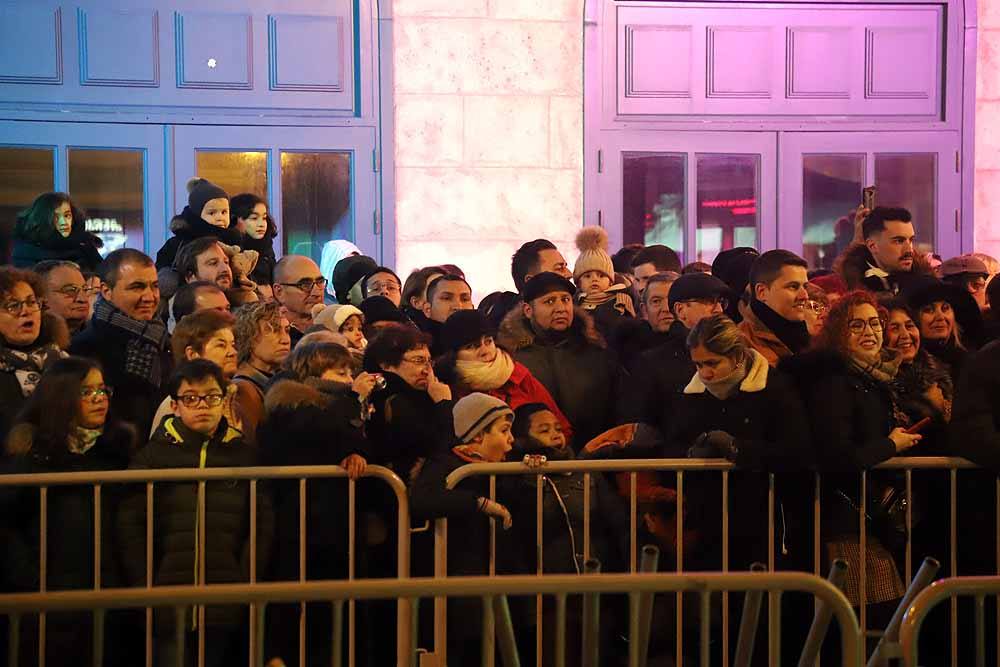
x: 418, y: 361
x: 858, y: 326
x: 71, y: 291
x: 96, y: 393
x: 817, y: 307
x: 28, y: 305
x: 193, y: 400
x: 383, y: 287
x: 308, y: 284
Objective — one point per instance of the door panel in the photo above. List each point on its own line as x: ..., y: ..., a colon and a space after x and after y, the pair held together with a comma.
x: 695, y: 192
x: 319, y: 182
x: 113, y: 171
x: 822, y: 174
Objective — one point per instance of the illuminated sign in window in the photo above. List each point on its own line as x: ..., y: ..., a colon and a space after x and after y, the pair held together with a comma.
x: 110, y: 231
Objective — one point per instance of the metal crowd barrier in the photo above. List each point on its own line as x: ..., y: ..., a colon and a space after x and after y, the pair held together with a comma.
x: 492, y: 590
x: 680, y: 467
x: 96, y: 597
x: 938, y: 592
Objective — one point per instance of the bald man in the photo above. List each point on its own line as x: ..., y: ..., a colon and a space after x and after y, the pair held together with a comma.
x: 298, y: 286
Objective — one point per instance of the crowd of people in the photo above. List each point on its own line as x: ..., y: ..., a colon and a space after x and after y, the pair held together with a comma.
x: 218, y: 354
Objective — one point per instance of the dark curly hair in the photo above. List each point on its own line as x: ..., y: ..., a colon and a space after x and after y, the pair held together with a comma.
x: 834, y: 334
x: 9, y: 277
x: 390, y: 344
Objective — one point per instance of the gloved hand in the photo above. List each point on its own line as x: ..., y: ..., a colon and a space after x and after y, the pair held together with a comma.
x: 496, y: 510
x: 714, y: 445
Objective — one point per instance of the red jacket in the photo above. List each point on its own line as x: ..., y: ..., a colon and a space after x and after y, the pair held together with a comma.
x: 522, y: 388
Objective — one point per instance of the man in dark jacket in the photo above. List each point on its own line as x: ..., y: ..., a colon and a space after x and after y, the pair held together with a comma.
x: 128, y: 339
x: 886, y: 258
x: 633, y: 336
x: 197, y: 437
x: 564, y: 351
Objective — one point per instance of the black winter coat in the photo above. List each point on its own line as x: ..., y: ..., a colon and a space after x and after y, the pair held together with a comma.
x: 188, y: 226
x: 135, y: 399
x: 12, y: 397
x: 407, y: 425
x: 577, y: 369
x: 975, y: 420
x: 632, y: 337
x: 70, y: 552
x: 175, y: 524
x: 263, y: 272
x: 658, y: 377
x: 32, y: 246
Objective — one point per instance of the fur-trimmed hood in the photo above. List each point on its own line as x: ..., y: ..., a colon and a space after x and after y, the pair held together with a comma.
x: 189, y: 226
x: 755, y: 380
x: 516, y: 333
x: 854, y: 262
x: 313, y: 393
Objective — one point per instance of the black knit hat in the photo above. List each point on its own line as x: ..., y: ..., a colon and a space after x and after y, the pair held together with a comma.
x: 202, y: 191
x: 463, y: 327
x: 348, y: 272
x: 522, y: 418
x: 379, y: 309
x: 733, y: 267
x: 544, y: 283
x: 697, y: 286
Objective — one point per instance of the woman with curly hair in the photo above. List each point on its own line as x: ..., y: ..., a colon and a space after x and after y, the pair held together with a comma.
x: 52, y: 228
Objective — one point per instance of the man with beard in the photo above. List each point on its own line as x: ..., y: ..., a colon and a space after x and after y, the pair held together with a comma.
x: 886, y: 258
x: 775, y: 321
x: 298, y: 286
x: 204, y: 259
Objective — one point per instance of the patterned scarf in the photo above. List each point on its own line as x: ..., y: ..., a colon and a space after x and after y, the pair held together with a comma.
x: 147, y: 340
x: 486, y: 376
x: 82, y: 439
x: 883, y: 371
x: 616, y: 293
x: 27, y: 366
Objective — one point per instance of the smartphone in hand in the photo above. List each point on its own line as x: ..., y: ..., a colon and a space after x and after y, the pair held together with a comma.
x: 868, y: 197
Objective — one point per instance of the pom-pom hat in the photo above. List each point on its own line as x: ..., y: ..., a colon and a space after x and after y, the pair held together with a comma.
x: 592, y: 242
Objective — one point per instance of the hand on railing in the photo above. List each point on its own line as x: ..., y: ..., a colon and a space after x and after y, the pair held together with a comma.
x: 903, y: 440
x: 534, y: 460
x: 497, y: 511
x: 355, y: 465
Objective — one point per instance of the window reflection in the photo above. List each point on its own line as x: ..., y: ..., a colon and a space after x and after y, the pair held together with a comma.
x: 25, y: 173
x: 908, y: 181
x: 235, y: 172
x: 653, y: 199
x: 727, y: 204
x: 831, y: 191
x: 108, y: 185
x: 316, y: 204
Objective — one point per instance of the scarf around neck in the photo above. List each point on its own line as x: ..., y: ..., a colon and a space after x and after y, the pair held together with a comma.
x: 146, y: 341
x: 27, y: 365
x: 82, y: 439
x: 616, y: 294
x: 486, y: 376
x: 794, y: 335
x: 881, y: 370
x: 725, y: 387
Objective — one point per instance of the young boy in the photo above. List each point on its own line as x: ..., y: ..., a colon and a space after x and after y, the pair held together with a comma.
x: 197, y: 436
x: 594, y: 274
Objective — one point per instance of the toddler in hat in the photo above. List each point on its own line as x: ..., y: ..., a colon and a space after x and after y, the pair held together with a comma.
x: 594, y: 274
x: 348, y: 321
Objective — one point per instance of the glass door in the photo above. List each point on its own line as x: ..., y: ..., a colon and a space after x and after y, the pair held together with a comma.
x: 319, y: 182
x: 114, y: 172
x: 823, y: 173
x: 699, y: 193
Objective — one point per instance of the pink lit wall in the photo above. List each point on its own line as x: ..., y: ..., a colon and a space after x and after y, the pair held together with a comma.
x: 489, y: 136
x: 988, y: 129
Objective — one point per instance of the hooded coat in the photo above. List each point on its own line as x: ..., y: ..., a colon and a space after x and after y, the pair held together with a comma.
x: 858, y: 269
x: 188, y: 226
x: 577, y: 369
x: 37, y: 243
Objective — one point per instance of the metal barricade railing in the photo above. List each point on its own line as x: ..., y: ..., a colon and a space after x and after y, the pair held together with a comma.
x: 492, y: 590
x: 679, y: 467
x: 150, y: 478
x: 947, y: 589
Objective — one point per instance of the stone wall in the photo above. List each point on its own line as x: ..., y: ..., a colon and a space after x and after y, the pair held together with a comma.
x: 489, y: 131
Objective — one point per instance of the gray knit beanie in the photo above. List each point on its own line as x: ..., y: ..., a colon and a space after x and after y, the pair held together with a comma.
x: 474, y: 413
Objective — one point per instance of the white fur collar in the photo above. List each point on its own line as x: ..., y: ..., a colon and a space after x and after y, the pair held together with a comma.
x: 756, y: 379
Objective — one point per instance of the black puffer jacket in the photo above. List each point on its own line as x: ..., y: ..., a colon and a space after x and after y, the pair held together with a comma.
x: 175, y: 524
x: 577, y: 369
x: 34, y: 245
x: 188, y: 226
x: 657, y: 378
x: 407, y: 425
x: 70, y: 555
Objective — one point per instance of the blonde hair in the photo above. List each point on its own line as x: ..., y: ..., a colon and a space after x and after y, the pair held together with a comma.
x: 719, y: 335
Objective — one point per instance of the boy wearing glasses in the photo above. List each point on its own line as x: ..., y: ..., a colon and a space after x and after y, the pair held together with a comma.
x: 197, y: 436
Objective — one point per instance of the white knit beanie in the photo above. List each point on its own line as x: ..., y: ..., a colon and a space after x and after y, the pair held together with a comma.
x: 474, y: 413
x: 333, y: 317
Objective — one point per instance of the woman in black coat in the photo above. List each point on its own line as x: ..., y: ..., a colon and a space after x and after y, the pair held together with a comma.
x: 950, y: 322
x: 52, y: 228
x: 847, y: 382
x: 312, y: 418
x: 47, y: 438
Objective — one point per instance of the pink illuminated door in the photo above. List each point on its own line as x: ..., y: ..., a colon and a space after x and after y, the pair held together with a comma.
x: 822, y: 174
x: 699, y: 193
x: 320, y: 183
